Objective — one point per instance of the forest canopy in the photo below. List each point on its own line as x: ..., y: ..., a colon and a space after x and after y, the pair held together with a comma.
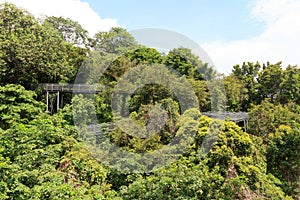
x: 44, y: 156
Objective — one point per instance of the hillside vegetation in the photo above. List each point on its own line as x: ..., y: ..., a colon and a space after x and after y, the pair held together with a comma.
x: 44, y: 156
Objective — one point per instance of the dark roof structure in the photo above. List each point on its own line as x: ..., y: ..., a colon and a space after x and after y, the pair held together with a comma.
x: 233, y: 116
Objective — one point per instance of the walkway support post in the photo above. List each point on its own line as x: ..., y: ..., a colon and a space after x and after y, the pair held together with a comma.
x: 47, y: 101
x: 57, y: 101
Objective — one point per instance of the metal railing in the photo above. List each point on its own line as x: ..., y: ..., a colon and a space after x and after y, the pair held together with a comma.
x: 235, y: 117
x: 72, y: 88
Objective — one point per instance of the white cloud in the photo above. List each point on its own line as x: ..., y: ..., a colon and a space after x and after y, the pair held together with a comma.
x: 73, y: 9
x: 280, y: 41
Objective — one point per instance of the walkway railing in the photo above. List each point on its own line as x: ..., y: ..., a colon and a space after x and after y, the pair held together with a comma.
x: 235, y: 117
x: 72, y: 88
x: 92, y: 89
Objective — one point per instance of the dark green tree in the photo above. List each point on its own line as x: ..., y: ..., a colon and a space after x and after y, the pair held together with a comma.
x: 188, y: 64
x: 278, y: 126
x: 145, y: 56
x: 269, y: 81
x: 31, y: 53
x: 248, y: 74
x: 290, y: 86
x: 236, y: 93
x: 117, y: 41
x: 70, y: 30
x: 283, y: 157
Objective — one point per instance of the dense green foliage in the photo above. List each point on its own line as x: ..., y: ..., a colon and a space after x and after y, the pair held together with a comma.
x: 44, y: 156
x: 33, y: 53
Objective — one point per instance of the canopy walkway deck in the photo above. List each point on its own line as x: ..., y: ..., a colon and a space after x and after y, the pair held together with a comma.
x: 70, y: 88
x: 65, y: 88
x: 238, y: 117
x: 234, y: 116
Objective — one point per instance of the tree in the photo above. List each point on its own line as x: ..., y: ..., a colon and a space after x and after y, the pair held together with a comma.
x: 70, y: 30
x: 31, y: 53
x: 117, y: 41
x: 236, y: 93
x: 217, y: 95
x: 40, y: 156
x: 18, y: 106
x: 199, y: 75
x: 175, y: 182
x: 49, y: 163
x: 144, y: 56
x: 129, y: 60
x: 234, y: 168
x: 267, y: 117
x: 269, y: 81
x: 248, y: 73
x: 203, y: 94
x: 283, y: 157
x: 290, y: 86
x: 278, y: 126
x: 188, y: 64
x: 45, y: 156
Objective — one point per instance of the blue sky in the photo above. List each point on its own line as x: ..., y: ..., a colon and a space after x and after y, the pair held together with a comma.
x: 230, y: 31
x: 201, y: 20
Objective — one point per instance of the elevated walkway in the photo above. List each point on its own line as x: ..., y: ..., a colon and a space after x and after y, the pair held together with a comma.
x: 237, y: 117
x: 70, y: 88
x: 65, y: 88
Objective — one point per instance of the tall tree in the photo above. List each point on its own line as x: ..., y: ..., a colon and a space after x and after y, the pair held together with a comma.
x: 269, y: 81
x: 290, y: 85
x: 70, y: 30
x: 283, y: 158
x: 248, y: 73
x: 31, y: 53
x: 116, y: 41
x: 236, y: 93
x: 144, y: 55
x: 278, y: 126
x: 188, y: 64
x: 203, y: 94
